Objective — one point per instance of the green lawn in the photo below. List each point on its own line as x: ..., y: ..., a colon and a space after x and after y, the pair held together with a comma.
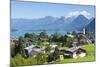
x: 89, y: 48
x: 85, y: 59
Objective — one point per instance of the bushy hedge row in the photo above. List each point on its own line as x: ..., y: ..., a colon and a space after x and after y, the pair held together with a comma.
x: 18, y: 60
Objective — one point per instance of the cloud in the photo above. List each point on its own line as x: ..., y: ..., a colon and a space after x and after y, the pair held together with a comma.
x: 73, y: 13
x: 76, y: 13
x: 85, y: 13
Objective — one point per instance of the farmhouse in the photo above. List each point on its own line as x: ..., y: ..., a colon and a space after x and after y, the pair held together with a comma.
x: 33, y: 50
x: 74, y: 52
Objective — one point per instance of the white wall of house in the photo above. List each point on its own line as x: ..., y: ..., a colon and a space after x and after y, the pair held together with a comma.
x: 75, y: 55
x: 79, y: 55
x: 82, y: 55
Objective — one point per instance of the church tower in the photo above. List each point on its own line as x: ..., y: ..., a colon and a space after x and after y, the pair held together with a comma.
x: 84, y: 31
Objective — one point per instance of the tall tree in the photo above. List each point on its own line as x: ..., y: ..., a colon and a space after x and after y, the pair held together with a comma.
x: 56, y: 54
x: 43, y: 34
x: 50, y: 58
x: 47, y: 50
x: 67, y: 41
x: 19, y: 48
x: 56, y: 37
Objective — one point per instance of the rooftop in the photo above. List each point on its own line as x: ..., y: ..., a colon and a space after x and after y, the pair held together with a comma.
x: 30, y: 47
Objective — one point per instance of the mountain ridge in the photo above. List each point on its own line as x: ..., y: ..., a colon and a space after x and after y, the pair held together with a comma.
x: 49, y: 22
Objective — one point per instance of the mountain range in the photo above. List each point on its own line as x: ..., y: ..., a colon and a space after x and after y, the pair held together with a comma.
x: 74, y: 23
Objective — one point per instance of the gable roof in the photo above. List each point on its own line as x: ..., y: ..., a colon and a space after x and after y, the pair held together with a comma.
x: 30, y: 47
x: 73, y: 49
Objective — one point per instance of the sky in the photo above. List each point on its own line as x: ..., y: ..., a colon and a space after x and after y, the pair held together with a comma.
x: 30, y: 10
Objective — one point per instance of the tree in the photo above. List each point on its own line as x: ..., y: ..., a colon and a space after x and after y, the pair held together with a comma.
x: 19, y: 48
x: 65, y: 40
x: 48, y: 49
x: 68, y: 41
x: 62, y: 38
x: 74, y: 33
x: 56, y: 37
x: 43, y: 35
x: 50, y: 58
x: 56, y: 54
x: 30, y: 35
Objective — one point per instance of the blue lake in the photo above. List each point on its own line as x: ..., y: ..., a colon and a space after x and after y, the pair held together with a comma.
x: 22, y: 32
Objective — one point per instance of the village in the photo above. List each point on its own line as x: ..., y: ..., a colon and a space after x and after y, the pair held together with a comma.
x: 55, y: 48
